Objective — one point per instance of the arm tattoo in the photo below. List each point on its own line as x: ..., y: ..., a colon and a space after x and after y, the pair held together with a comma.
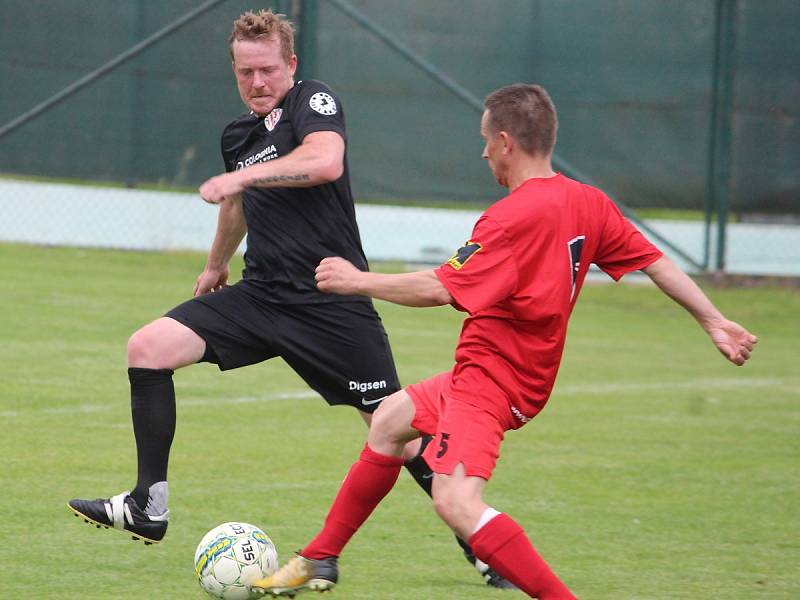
x: 280, y: 178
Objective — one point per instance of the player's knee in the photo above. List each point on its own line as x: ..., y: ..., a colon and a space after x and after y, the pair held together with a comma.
x: 380, y: 427
x: 143, y: 350
x: 381, y: 437
x: 390, y: 423
x: 450, y: 507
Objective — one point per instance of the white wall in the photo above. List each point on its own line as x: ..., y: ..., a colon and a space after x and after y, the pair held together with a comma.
x: 59, y: 214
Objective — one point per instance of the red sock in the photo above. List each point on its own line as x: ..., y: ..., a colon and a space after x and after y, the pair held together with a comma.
x: 369, y: 480
x: 503, y: 544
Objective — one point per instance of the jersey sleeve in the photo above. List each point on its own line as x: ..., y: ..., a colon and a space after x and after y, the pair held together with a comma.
x: 228, y: 141
x: 317, y: 108
x: 483, y: 271
x: 226, y: 154
x: 623, y: 248
x: 227, y: 161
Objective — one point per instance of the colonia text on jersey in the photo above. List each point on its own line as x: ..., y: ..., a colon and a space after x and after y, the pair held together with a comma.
x: 264, y: 155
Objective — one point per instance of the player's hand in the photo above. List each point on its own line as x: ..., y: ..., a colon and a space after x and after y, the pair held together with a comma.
x: 216, y: 189
x: 733, y: 341
x: 210, y: 280
x: 336, y: 275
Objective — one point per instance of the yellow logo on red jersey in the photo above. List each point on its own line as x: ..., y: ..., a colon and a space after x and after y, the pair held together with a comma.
x: 467, y: 251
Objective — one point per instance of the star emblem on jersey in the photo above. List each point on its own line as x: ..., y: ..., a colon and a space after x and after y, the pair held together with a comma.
x: 323, y: 103
x: 460, y: 258
x: 271, y: 120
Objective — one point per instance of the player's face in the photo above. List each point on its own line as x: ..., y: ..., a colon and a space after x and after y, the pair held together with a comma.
x: 262, y: 74
x: 493, y: 150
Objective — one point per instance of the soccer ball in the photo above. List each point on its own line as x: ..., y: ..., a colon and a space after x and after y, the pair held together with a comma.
x: 230, y: 557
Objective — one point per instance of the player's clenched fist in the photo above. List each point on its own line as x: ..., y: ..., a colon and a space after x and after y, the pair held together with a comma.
x: 335, y: 275
x: 216, y: 189
x: 733, y: 341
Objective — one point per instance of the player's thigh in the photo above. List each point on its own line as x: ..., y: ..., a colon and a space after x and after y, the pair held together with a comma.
x: 411, y: 449
x: 391, y: 423
x: 236, y: 328
x: 164, y: 344
x: 341, y: 351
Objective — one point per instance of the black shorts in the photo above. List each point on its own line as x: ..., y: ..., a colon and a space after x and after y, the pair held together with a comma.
x: 340, y: 349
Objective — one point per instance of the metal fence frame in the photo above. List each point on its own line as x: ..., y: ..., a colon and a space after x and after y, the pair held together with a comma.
x: 305, y: 14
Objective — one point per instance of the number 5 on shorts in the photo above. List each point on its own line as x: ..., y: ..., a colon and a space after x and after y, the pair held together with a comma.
x: 442, y: 445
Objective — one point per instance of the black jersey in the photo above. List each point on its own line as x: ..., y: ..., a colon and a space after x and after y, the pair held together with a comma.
x: 289, y: 230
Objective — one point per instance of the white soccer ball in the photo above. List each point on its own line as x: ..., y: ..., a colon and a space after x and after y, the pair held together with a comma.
x: 232, y: 556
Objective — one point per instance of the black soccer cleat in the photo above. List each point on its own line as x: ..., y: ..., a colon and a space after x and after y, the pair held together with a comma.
x: 121, y: 512
x: 490, y: 576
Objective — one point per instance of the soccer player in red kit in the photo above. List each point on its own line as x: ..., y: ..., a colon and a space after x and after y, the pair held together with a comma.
x: 518, y: 278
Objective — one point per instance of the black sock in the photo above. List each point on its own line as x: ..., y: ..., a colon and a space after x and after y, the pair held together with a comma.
x: 420, y: 470
x: 153, y: 413
x: 423, y: 475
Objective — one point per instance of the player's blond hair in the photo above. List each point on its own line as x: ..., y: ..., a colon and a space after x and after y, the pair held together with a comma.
x: 527, y: 114
x: 264, y: 24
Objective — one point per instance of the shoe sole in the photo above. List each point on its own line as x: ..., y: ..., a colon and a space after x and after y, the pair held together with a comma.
x: 134, y: 536
x: 315, y: 585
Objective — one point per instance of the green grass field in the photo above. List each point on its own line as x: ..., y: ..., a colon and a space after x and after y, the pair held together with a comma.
x: 658, y: 470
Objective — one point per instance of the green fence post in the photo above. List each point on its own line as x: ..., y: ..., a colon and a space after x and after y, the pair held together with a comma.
x: 306, y: 20
x: 137, y: 103
x: 721, y: 125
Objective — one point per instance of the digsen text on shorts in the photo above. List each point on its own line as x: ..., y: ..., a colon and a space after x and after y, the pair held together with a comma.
x: 363, y: 386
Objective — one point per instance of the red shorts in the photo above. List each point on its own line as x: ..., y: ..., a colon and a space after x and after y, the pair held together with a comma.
x: 465, y: 434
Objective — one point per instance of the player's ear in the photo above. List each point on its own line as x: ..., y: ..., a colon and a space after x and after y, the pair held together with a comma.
x: 508, y: 142
x: 292, y: 65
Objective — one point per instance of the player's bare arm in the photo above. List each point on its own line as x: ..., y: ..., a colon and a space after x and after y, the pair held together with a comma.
x: 231, y: 228
x: 319, y: 159
x: 731, y: 339
x: 336, y: 275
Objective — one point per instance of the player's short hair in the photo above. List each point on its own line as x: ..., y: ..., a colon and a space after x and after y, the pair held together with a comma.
x: 527, y: 114
x: 264, y: 24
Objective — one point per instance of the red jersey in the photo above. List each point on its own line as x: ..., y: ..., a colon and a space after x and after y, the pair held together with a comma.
x: 519, y: 277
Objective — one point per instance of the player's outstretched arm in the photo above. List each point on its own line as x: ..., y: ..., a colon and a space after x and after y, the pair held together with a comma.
x: 318, y: 159
x: 231, y: 228
x: 336, y: 275
x: 731, y: 339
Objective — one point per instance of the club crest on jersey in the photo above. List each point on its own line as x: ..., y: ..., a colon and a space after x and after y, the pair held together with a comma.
x: 323, y: 103
x: 467, y: 251
x: 271, y: 120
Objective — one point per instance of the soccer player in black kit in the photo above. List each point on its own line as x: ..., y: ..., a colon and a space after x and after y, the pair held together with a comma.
x: 287, y: 187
